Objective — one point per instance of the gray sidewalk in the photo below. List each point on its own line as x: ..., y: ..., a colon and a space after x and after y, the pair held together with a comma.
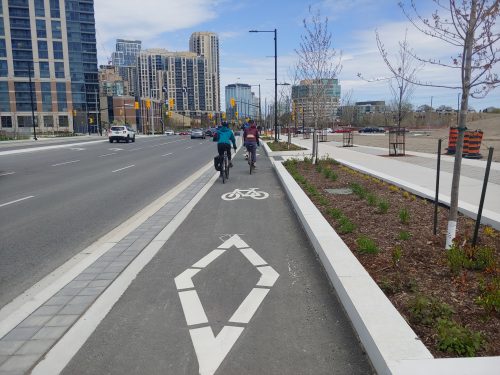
x: 417, y: 172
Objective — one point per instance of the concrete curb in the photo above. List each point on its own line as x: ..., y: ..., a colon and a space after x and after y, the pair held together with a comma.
x: 389, y: 341
x: 299, y: 153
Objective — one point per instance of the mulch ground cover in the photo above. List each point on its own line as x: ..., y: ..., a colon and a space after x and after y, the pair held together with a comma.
x: 283, y: 146
x: 451, y: 299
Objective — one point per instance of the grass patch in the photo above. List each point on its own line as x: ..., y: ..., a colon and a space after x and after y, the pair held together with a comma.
x: 472, y: 258
x: 383, y: 206
x: 366, y: 245
x: 346, y: 225
x: 371, y: 199
x: 404, y: 216
x: 489, y: 298
x: 404, y: 235
x: 456, y: 339
x: 359, y: 190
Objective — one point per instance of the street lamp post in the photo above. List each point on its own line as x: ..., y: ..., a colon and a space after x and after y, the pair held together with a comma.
x: 31, y: 98
x: 275, y: 31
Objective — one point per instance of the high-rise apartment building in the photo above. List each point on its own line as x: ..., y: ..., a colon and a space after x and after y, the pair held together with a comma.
x: 317, y: 98
x: 245, y: 102
x: 125, y: 58
x: 206, y: 44
x: 52, y: 43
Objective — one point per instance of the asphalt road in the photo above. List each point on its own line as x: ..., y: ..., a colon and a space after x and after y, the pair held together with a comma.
x: 54, y: 203
x: 298, y: 328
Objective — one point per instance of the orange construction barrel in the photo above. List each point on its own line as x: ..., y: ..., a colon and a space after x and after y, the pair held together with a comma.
x: 474, y: 145
x: 452, y: 141
x: 465, y: 149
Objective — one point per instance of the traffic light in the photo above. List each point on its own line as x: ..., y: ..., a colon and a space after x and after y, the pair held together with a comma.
x: 171, y: 103
x: 91, y: 120
x: 223, y: 115
x: 236, y: 114
x: 233, y: 102
x: 136, y: 105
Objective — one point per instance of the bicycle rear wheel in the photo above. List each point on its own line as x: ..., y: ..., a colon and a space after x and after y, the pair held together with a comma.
x: 226, y: 161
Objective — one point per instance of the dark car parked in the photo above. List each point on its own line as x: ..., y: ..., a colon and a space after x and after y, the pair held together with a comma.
x: 371, y: 130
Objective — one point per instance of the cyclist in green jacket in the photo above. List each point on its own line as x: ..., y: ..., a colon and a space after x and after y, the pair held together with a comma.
x: 225, y: 137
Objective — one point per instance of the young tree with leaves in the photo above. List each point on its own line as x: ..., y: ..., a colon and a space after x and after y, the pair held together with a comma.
x: 470, y: 27
x: 318, y: 63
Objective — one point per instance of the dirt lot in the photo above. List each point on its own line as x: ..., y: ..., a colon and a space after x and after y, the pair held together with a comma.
x: 427, y: 140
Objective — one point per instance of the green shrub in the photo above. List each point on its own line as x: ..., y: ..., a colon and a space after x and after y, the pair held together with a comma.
x: 359, y: 190
x: 366, y: 245
x: 346, y: 226
x: 371, y: 199
x: 404, y: 216
x: 427, y: 310
x: 472, y: 258
x: 307, y: 159
x: 319, y: 167
x: 456, y: 339
x: 404, y: 235
x: 383, y: 206
x: 397, y: 253
x: 335, y: 213
x: 323, y: 201
x: 489, y: 298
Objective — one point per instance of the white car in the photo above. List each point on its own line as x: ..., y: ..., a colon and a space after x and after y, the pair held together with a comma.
x: 169, y: 132
x: 121, y: 133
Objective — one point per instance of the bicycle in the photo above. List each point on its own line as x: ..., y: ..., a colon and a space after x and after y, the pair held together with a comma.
x: 224, y: 168
x: 249, y: 158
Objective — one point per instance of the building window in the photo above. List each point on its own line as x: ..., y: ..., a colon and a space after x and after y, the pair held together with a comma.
x: 6, y: 122
x: 3, y: 49
x: 41, y: 29
x: 56, y: 30
x: 4, y: 97
x: 58, y: 50
x: 59, y: 69
x: 4, y: 71
x: 48, y: 121
x: 44, y: 69
x: 62, y: 105
x: 25, y: 122
x: 63, y: 121
x: 54, y: 9
x: 43, y: 49
x: 39, y: 8
x: 2, y: 30
x: 46, y: 97
x: 23, y: 98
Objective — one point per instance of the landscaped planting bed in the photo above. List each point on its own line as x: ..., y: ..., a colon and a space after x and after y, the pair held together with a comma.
x: 451, y: 298
x: 283, y: 146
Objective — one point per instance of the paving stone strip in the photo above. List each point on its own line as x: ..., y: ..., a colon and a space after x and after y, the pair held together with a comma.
x: 27, y: 343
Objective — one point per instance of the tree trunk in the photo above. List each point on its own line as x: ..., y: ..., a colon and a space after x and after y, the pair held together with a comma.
x: 466, y: 77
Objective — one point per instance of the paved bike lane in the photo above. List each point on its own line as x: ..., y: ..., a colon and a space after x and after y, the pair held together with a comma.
x: 237, y: 289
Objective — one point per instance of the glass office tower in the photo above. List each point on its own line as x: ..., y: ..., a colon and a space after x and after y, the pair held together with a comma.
x: 51, y: 43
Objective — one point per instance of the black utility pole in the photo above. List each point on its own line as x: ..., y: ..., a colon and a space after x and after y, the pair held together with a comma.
x: 31, y: 98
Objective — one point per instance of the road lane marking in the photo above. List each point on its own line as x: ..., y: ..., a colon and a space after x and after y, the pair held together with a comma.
x: 249, y: 306
x: 170, y: 153
x: 115, y: 149
x: 193, y: 310
x: 184, y: 280
x: 135, y: 149
x: 113, y: 153
x: 121, y: 169
x: 253, y: 257
x: 17, y: 200
x: 209, y: 258
x: 77, y: 149
x: 66, y: 162
x: 211, y: 350
x: 187, y: 148
x: 6, y: 173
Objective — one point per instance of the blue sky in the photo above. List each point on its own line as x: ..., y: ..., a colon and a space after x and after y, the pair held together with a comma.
x: 244, y: 57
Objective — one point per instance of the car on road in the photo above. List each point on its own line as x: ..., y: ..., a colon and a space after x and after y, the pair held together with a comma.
x: 121, y: 133
x: 343, y: 130
x: 169, y: 132
x: 371, y: 130
x: 210, y: 132
x: 183, y: 133
x: 197, y: 133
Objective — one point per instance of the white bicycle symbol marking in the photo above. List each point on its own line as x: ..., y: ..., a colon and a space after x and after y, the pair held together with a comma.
x: 245, y: 193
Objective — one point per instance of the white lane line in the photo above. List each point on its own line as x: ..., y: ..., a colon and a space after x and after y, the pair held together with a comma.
x: 17, y: 200
x: 193, y: 310
x: 135, y: 149
x: 184, y: 280
x: 249, y: 306
x: 209, y: 258
x: 234, y: 241
x: 187, y: 148
x: 113, y: 153
x: 67, y: 162
x: 269, y: 276
x: 6, y: 173
x: 253, y: 257
x: 170, y: 153
x: 121, y: 169
x: 201, y: 143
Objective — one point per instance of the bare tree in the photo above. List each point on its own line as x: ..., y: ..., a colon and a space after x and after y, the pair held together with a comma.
x: 348, y: 109
x: 470, y: 27
x: 318, y: 64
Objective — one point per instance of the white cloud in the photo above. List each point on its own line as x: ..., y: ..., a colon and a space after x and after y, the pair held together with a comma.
x: 146, y: 21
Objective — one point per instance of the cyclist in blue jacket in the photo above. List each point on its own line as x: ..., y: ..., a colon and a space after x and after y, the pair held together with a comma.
x: 225, y: 137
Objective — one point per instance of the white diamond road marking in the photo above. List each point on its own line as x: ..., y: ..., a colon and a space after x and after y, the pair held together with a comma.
x: 211, y: 350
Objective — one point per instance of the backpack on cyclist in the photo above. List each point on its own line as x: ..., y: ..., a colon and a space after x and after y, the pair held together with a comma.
x: 217, y: 163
